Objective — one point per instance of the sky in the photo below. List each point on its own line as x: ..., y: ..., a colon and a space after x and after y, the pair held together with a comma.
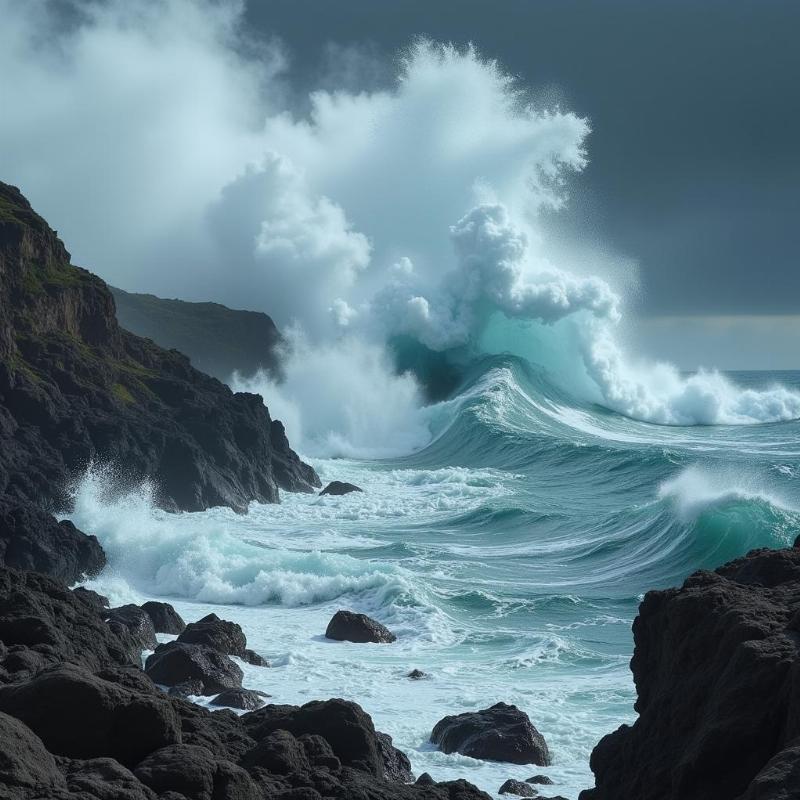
x: 138, y: 129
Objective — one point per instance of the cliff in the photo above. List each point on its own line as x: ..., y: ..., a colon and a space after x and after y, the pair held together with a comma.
x: 218, y: 340
x: 717, y: 672
x: 76, y: 388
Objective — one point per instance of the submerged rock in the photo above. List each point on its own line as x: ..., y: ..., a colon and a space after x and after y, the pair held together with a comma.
x: 340, y: 487
x: 247, y: 699
x: 177, y: 662
x: 517, y: 788
x: 500, y: 733
x: 417, y: 675
x: 347, y: 626
x: 164, y: 617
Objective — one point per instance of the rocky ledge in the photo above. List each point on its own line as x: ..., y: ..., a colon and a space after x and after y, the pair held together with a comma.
x: 717, y: 672
x: 76, y: 389
x: 81, y: 720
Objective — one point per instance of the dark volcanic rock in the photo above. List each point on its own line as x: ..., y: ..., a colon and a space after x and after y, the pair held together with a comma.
x: 247, y: 699
x: 499, y: 733
x: 517, y: 788
x: 340, y: 487
x: 92, y: 599
x: 716, y: 666
x: 218, y: 634
x: 31, y: 539
x: 77, y: 388
x: 24, y: 762
x: 291, y: 474
x: 43, y: 619
x: 417, y: 675
x: 177, y: 662
x: 347, y: 626
x: 104, y: 779
x: 79, y: 715
x: 396, y: 765
x: 251, y: 657
x: 187, y: 689
x: 541, y: 779
x: 164, y: 617
x: 425, y: 780
x: 136, y: 622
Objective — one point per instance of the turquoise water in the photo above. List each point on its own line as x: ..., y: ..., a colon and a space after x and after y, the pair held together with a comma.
x: 509, y: 555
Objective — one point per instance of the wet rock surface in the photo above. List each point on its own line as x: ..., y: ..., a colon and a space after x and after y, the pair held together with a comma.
x: 347, y: 626
x: 337, y: 488
x: 164, y: 617
x: 517, y: 788
x: 500, y: 733
x: 246, y: 699
x: 716, y: 665
x: 81, y: 722
x: 176, y: 663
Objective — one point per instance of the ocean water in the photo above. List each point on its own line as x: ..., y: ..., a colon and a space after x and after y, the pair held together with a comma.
x: 509, y: 555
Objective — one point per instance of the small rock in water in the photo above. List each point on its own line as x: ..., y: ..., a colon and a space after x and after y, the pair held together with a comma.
x: 347, y: 626
x: 246, y: 699
x: 417, y: 674
x: 517, y: 788
x: 499, y: 733
x: 340, y: 487
x: 251, y: 657
x: 543, y: 779
x: 164, y: 617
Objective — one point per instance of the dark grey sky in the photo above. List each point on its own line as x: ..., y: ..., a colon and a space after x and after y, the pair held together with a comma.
x: 695, y: 109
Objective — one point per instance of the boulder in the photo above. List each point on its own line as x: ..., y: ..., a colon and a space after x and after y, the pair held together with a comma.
x: 31, y: 539
x: 347, y: 626
x: 425, y: 780
x: 183, y: 768
x: 79, y: 715
x: 190, y: 688
x: 500, y: 733
x: 518, y: 788
x: 218, y: 634
x: 164, y: 617
x: 175, y: 663
x: 246, y: 699
x: 716, y: 670
x: 541, y: 779
x: 396, y: 765
x: 337, y: 488
x: 136, y: 622
x: 24, y: 761
x: 104, y: 779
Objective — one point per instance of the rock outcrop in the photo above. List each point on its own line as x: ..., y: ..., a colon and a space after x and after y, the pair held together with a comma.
x: 76, y: 388
x: 347, y: 626
x: 337, y: 488
x: 164, y: 617
x: 500, y: 733
x: 717, y: 669
x: 79, y: 722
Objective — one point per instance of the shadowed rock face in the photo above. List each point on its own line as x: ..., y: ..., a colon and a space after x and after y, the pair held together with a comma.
x: 77, y: 388
x: 717, y: 669
x: 78, y: 722
x: 499, y: 733
x: 347, y: 626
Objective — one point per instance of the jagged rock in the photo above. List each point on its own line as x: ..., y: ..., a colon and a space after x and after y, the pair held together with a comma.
x: 79, y: 715
x: 396, y: 765
x: 175, y: 663
x: 218, y: 634
x: 24, y: 761
x: 517, y: 788
x: 137, y: 622
x: 347, y: 626
x: 247, y: 699
x: 77, y: 388
x: 417, y: 675
x: 31, y: 539
x: 279, y: 752
x: 499, y: 733
x: 541, y: 779
x: 54, y: 625
x: 716, y: 667
x: 94, y: 600
x: 425, y: 780
x: 337, y: 488
x: 291, y: 474
x: 164, y: 617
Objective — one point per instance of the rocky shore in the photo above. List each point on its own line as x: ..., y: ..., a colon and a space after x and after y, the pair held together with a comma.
x: 717, y: 673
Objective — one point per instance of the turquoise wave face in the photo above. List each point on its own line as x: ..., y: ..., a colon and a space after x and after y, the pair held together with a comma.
x: 509, y: 555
